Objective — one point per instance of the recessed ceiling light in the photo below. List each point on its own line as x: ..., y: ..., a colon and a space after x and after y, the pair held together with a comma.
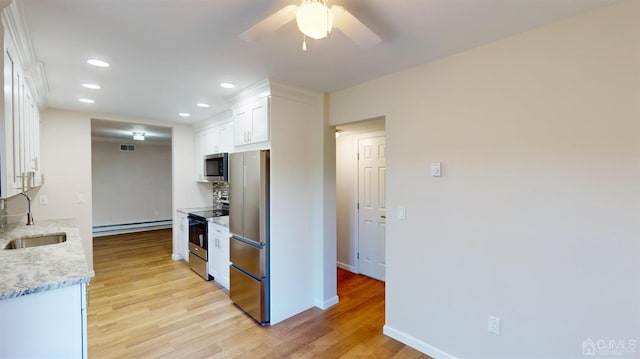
x: 86, y: 100
x: 203, y: 105
x: 227, y: 85
x: 98, y: 63
x: 184, y: 114
x: 91, y: 86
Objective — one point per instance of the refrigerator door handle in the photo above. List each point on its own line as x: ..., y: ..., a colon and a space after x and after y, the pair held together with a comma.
x: 258, y: 245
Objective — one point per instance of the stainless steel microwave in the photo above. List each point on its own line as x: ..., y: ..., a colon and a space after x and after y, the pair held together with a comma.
x: 216, y: 167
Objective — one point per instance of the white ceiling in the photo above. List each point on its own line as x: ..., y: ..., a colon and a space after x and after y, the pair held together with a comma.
x: 123, y: 132
x: 168, y: 55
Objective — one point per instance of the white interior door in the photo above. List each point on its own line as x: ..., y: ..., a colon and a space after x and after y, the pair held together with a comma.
x: 372, y: 207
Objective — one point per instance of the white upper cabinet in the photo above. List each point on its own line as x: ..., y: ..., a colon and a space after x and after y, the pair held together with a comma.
x: 226, y: 137
x: 19, y: 131
x: 251, y: 122
x: 206, y: 142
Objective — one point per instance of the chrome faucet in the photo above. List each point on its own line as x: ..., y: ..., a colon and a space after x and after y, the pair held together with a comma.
x: 29, y: 215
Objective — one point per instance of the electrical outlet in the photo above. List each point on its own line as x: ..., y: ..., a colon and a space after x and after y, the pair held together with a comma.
x: 43, y: 200
x: 493, y: 325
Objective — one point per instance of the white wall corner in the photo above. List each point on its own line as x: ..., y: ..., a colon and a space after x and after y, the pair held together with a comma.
x: 328, y: 303
x: 35, y: 74
x: 176, y: 256
x: 411, y: 341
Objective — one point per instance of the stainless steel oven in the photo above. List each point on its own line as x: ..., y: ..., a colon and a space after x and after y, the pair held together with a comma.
x: 198, y: 239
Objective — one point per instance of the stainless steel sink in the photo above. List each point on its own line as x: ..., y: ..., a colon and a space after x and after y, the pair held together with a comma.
x: 35, y: 241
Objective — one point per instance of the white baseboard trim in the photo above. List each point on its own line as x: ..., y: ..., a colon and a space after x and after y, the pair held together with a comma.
x: 111, y: 229
x: 348, y: 267
x: 327, y: 303
x: 411, y: 341
x: 176, y: 256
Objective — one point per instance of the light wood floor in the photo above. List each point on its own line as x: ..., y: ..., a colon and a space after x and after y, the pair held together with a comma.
x: 142, y: 304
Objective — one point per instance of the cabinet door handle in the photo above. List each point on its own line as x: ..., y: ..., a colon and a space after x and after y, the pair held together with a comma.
x: 383, y: 216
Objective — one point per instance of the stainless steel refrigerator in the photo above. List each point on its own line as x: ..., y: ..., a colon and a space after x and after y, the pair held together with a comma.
x: 249, y: 228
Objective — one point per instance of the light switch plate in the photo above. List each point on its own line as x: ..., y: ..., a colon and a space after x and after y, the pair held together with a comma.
x: 493, y: 325
x: 43, y: 200
x: 436, y: 169
x: 402, y: 212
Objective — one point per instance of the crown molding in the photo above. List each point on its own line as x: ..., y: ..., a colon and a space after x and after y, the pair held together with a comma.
x: 16, y: 27
x: 249, y: 94
x: 272, y: 88
x: 215, y: 120
x: 298, y: 94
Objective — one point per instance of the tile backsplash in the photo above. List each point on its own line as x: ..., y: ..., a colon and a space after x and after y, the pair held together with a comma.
x: 220, y: 194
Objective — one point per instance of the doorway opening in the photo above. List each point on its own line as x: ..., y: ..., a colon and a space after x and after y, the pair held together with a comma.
x: 131, y: 177
x: 360, y: 189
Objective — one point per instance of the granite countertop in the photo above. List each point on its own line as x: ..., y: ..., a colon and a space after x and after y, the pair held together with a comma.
x: 222, y: 220
x: 36, y: 269
x: 197, y: 209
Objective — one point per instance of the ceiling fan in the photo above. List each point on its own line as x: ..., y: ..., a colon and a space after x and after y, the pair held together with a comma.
x: 315, y: 20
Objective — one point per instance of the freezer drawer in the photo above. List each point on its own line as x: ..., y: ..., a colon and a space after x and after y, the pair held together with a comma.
x: 250, y: 256
x: 249, y: 294
x: 198, y: 265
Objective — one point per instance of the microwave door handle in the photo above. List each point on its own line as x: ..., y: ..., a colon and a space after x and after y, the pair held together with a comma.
x: 200, y: 237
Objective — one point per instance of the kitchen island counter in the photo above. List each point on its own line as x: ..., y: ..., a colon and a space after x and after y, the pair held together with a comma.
x: 36, y: 269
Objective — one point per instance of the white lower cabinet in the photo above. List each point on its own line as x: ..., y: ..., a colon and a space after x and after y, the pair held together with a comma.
x: 219, y: 254
x: 48, y: 324
x: 183, y: 235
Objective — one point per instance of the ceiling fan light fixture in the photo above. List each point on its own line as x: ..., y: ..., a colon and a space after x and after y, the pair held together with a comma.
x: 314, y: 19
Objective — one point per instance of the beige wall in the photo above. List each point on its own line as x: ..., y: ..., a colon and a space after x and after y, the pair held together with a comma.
x: 66, y: 164
x: 186, y: 192
x: 130, y: 187
x: 535, y: 219
x: 302, y: 248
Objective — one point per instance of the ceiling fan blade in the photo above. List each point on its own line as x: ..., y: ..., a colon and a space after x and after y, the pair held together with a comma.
x: 353, y: 28
x: 270, y: 24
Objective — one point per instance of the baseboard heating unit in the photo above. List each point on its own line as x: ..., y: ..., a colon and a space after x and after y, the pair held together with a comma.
x: 110, y: 229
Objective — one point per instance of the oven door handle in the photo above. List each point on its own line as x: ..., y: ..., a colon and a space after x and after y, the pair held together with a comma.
x: 200, y: 236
